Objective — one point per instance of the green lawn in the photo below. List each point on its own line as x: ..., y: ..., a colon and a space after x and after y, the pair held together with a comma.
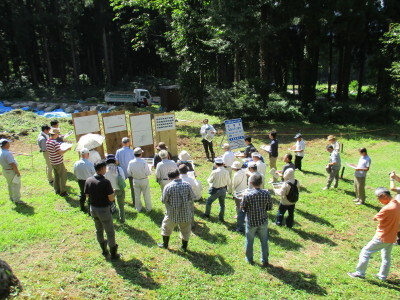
x: 52, y: 248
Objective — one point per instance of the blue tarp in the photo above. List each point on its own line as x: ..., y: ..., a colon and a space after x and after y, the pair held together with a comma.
x: 57, y: 113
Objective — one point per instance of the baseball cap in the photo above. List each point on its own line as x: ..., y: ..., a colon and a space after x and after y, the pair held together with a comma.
x: 110, y: 158
x: 237, y: 165
x: 137, y: 150
x: 256, y: 154
x: 125, y: 140
x: 218, y: 161
x: 226, y: 146
x: 297, y: 135
x: 4, y: 141
x: 54, y: 131
x: 84, y: 151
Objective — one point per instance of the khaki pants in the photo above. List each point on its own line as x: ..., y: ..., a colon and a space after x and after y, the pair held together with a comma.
x: 120, y: 195
x: 272, y: 165
x: 49, y: 169
x: 163, y: 183
x: 14, y: 189
x: 359, y: 188
x: 333, y: 175
x: 168, y: 226
x: 142, y: 186
x: 60, y: 178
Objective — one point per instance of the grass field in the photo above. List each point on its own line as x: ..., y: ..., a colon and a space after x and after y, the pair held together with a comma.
x: 52, y: 248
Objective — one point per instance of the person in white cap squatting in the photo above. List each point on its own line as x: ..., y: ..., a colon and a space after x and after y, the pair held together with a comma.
x: 228, y: 158
x: 298, y: 149
x: 10, y: 172
x: 83, y: 169
x: 139, y: 170
x: 261, y: 167
x: 219, y: 180
x: 163, y: 168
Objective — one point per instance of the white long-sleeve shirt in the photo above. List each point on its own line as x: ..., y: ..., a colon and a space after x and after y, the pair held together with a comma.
x: 219, y: 178
x: 138, y: 168
x: 195, y: 184
x: 239, y: 182
x: 164, y: 167
x: 228, y: 158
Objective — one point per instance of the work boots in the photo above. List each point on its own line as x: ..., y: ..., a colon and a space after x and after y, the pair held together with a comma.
x: 184, y: 245
x: 104, y: 249
x: 164, y: 243
x: 114, y: 254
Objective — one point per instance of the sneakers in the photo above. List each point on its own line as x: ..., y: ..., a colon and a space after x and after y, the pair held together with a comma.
x: 325, y: 188
x: 360, y: 203
x: 355, y: 275
x: 379, y: 277
x: 356, y: 200
x: 18, y: 202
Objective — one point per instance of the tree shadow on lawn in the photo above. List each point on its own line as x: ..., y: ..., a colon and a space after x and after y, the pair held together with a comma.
x: 203, y: 232
x: 315, y: 237
x: 139, y: 236
x: 134, y: 271
x: 210, y: 264
x: 313, y: 218
x: 298, y: 280
x: 24, y: 209
x: 273, y: 236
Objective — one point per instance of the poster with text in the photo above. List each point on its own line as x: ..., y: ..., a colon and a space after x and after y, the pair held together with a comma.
x: 235, y: 133
x: 164, y: 122
x: 86, y: 124
x: 114, y: 123
x: 142, y: 133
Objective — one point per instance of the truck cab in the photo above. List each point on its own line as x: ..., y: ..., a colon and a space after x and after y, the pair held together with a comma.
x: 143, y: 97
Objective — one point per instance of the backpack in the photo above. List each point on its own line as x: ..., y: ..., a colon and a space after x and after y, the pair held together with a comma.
x: 293, y: 195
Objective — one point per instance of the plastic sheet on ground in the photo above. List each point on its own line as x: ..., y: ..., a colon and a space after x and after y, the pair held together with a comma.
x: 4, y: 109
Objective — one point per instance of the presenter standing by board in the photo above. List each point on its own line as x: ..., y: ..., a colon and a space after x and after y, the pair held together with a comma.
x: 208, y: 132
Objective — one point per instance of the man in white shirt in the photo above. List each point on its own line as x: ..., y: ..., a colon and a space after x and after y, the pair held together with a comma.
x: 252, y: 169
x: 139, y: 170
x: 239, y: 184
x: 207, y: 132
x: 261, y: 167
x: 195, y: 184
x: 360, y: 175
x: 83, y: 169
x: 41, y: 140
x: 228, y: 158
x: 219, y: 180
x: 298, y: 149
x: 163, y: 168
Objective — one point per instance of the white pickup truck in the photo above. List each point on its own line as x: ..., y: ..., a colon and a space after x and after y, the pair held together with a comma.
x: 139, y: 97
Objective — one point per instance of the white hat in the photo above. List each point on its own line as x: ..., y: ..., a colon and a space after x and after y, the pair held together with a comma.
x: 251, y: 164
x: 137, y: 150
x: 256, y: 154
x: 163, y: 154
x: 125, y: 140
x: 237, y: 165
x: 184, y: 155
x: 4, y: 141
x: 84, y: 151
x: 226, y: 146
x: 218, y: 161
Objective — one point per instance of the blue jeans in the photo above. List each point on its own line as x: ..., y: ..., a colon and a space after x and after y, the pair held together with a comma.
x: 262, y: 233
x: 240, y: 220
x: 220, y: 195
x: 373, y: 246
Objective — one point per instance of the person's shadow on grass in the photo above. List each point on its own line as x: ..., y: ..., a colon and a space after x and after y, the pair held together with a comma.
x: 313, y: 218
x: 297, y: 280
x: 139, y: 236
x: 315, y: 237
x: 312, y: 173
x: 156, y: 216
x: 203, y: 232
x: 273, y: 236
x: 134, y: 271
x: 24, y: 209
x: 210, y: 264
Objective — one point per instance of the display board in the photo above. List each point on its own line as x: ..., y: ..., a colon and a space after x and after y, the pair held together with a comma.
x: 234, y: 132
x: 142, y: 133
x: 166, y: 131
x: 87, y: 122
x: 114, y: 124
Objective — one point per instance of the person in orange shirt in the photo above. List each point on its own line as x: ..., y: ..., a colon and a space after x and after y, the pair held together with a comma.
x: 386, y: 235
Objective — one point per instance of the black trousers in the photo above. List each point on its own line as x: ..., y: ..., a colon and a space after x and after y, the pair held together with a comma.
x: 81, y: 184
x: 208, y: 146
x: 297, y: 162
x: 281, y: 213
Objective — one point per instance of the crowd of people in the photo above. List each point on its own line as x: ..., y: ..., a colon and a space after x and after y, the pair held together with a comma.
x: 242, y: 174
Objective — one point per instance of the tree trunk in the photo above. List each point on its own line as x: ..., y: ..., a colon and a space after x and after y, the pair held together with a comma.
x: 48, y: 61
x: 361, y: 73
x: 236, y: 63
x: 330, y: 64
x: 106, y: 60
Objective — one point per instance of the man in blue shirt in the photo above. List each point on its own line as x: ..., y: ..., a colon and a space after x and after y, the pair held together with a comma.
x: 123, y: 156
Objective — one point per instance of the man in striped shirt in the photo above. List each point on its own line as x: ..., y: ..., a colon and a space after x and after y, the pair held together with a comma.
x: 56, y: 156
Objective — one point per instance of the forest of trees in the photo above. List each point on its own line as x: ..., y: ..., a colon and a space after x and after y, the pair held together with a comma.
x: 272, y: 45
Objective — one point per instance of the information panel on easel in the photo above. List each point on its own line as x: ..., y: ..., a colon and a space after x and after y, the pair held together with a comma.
x: 87, y: 122
x: 166, y: 131
x: 142, y: 133
x: 114, y: 124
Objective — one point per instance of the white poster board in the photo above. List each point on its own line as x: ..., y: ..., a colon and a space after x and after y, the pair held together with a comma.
x: 235, y: 133
x: 164, y: 122
x: 86, y: 124
x: 114, y: 123
x: 142, y: 132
